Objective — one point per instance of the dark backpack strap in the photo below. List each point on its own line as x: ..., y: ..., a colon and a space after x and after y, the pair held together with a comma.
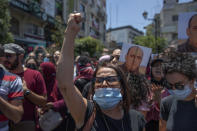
x: 90, y: 121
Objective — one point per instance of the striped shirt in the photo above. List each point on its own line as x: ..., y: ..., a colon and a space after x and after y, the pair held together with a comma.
x: 10, y: 89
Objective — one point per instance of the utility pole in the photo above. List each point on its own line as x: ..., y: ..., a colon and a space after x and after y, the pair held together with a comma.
x: 155, y: 20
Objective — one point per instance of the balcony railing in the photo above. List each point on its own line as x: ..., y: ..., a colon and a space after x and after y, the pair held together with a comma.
x: 33, y: 8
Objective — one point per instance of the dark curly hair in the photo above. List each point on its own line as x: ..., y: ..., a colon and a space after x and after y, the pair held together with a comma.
x: 83, y: 60
x: 139, y: 88
x: 183, y: 63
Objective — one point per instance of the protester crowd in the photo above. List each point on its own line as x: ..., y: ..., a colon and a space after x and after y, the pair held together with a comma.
x: 60, y: 92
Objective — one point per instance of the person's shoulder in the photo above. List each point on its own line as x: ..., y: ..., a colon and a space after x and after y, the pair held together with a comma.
x: 8, y: 76
x: 169, y: 100
x: 32, y: 72
x: 137, y: 120
x: 135, y: 114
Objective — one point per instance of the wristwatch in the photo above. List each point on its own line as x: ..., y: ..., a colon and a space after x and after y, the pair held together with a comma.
x: 27, y: 92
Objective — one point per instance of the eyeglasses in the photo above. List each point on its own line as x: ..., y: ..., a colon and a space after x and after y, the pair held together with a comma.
x: 108, y: 79
x: 177, y: 86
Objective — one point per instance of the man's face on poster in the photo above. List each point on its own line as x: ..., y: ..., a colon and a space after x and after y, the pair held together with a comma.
x: 133, y: 58
x: 192, y: 31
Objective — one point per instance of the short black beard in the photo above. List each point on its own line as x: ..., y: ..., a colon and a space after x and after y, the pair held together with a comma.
x: 14, y: 65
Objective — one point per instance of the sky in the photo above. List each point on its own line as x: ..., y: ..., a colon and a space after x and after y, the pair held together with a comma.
x: 129, y: 12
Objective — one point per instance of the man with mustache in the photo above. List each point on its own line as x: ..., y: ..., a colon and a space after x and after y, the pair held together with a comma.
x: 11, y: 95
x: 34, y: 85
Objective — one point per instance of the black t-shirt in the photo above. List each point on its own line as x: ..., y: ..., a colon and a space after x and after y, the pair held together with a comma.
x: 180, y: 115
x: 134, y: 121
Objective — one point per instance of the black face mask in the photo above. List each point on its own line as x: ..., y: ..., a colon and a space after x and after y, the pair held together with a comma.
x: 31, y: 66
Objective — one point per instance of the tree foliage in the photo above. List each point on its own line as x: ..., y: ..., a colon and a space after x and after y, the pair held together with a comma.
x: 58, y: 34
x: 88, y: 44
x: 5, y: 35
x: 149, y: 40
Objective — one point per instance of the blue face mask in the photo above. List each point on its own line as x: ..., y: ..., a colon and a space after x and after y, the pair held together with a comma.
x: 46, y: 59
x: 181, y: 94
x: 107, y: 98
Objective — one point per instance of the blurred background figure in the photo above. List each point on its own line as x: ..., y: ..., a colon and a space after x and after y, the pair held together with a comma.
x: 105, y: 58
x: 31, y: 63
x: 40, y: 58
x: 140, y: 91
x: 115, y: 56
x: 31, y: 55
x: 84, y: 72
x: 54, y: 98
x: 157, y: 76
x: 157, y: 84
x: 48, y: 57
x: 56, y: 56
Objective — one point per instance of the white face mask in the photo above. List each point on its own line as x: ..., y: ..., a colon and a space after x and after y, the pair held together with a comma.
x: 182, y: 94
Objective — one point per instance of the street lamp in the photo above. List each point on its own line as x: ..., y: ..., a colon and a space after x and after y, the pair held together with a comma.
x: 145, y: 15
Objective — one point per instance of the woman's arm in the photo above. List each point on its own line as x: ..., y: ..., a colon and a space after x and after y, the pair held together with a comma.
x: 75, y: 102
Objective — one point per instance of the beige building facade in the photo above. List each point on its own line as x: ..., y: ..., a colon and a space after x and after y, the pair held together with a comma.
x: 95, y: 18
x: 29, y: 20
x: 169, y: 17
x: 117, y: 36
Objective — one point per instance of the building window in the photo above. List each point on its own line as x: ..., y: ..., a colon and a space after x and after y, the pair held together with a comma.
x: 175, y: 18
x: 34, y: 30
x: 14, y: 26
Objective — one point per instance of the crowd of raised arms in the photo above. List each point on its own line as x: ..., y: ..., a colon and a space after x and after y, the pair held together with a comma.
x: 62, y: 92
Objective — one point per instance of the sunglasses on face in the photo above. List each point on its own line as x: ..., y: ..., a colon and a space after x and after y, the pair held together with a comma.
x: 109, y: 79
x: 177, y: 86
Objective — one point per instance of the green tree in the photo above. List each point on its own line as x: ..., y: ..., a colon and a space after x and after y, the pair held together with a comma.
x: 58, y: 33
x: 150, y: 29
x: 149, y: 41
x: 70, y: 6
x: 88, y: 44
x: 5, y: 35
